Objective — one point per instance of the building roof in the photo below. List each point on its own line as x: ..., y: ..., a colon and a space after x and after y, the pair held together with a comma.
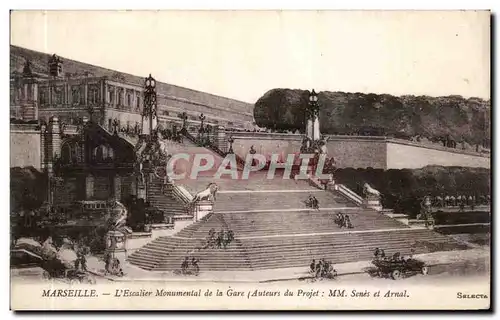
x: 72, y: 68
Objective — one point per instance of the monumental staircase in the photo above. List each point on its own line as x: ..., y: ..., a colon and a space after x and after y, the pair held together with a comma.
x: 274, y: 229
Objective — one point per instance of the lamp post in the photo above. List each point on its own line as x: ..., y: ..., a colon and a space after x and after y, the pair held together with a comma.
x: 312, y: 121
x: 150, y: 104
x: 202, y: 119
x: 201, y: 131
x: 184, y: 117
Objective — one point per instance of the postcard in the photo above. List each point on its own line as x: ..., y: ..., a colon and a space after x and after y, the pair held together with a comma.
x: 250, y: 160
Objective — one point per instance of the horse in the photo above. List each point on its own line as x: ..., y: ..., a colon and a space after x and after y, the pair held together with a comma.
x: 207, y: 194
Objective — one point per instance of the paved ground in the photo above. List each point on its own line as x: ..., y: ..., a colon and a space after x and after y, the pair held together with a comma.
x: 444, y: 266
x: 450, y: 262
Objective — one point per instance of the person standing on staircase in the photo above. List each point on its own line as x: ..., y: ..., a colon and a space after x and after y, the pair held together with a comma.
x: 312, y: 266
x: 220, y: 238
x: 185, y: 265
x: 196, y: 267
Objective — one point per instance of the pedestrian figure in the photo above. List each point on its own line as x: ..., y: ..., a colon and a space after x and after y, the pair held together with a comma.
x: 194, y: 263
x: 312, y: 266
x: 185, y: 265
x: 220, y: 236
x: 319, y: 266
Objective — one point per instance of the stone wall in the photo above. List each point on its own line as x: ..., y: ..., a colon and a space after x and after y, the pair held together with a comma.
x: 358, y: 152
x: 362, y: 152
x: 25, y: 146
x: 265, y: 143
x: 401, y: 155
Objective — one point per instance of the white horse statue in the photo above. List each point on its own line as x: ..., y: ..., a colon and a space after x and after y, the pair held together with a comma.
x: 369, y: 191
x: 207, y: 194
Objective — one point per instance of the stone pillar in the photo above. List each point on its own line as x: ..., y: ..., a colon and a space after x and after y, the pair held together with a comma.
x: 372, y: 202
x: 86, y: 93
x: 43, y: 148
x: 133, y: 187
x: 55, y: 134
x: 25, y: 91
x: 117, y: 183
x: 316, y: 134
x: 89, y: 187
x: 220, y: 140
x: 202, y: 209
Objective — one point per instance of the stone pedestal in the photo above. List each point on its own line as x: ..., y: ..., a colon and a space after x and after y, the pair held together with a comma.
x: 202, y: 208
x: 116, y: 246
x: 372, y: 202
x: 117, y: 182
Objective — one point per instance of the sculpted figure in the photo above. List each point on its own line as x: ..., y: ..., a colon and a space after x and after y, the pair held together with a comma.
x: 118, y: 217
x: 207, y: 194
x: 369, y: 191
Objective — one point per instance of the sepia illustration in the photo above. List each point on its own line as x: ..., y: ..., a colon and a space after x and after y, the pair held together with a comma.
x: 122, y: 180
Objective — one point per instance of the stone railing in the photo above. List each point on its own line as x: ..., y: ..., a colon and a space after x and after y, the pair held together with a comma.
x: 407, y: 142
x: 24, y: 127
x: 182, y: 194
x: 265, y: 135
x: 348, y: 193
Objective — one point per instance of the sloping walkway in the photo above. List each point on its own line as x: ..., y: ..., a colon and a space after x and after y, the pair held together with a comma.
x: 133, y: 273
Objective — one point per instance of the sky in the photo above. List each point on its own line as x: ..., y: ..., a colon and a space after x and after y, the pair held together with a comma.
x: 243, y: 54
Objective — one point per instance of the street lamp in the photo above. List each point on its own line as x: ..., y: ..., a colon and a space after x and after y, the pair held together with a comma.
x: 150, y: 83
x: 202, y: 119
x: 150, y: 102
x: 313, y: 97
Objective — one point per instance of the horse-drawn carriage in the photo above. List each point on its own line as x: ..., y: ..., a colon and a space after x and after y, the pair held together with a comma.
x: 53, y: 268
x: 399, y: 268
x: 57, y: 269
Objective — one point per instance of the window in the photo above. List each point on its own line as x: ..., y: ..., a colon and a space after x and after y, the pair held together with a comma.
x: 120, y: 98
x: 30, y: 92
x: 138, y: 103
x: 129, y: 99
x: 111, y: 95
x: 59, y: 96
x: 75, y: 94
x: 93, y: 95
x: 110, y: 126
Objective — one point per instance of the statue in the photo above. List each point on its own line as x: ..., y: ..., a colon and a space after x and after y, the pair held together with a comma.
x: 118, y: 217
x: 425, y: 208
x: 322, y: 145
x: 306, y: 144
x: 207, y: 194
x: 139, y: 150
x: 368, y: 191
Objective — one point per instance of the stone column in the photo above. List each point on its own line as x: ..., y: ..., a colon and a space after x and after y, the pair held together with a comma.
x: 43, y: 142
x: 117, y: 183
x: 89, y: 187
x: 309, y: 128
x: 316, y: 135
x: 220, y: 138
x: 133, y: 186
x: 55, y: 137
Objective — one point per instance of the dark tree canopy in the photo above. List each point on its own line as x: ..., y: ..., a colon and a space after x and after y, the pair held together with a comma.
x: 434, y: 118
